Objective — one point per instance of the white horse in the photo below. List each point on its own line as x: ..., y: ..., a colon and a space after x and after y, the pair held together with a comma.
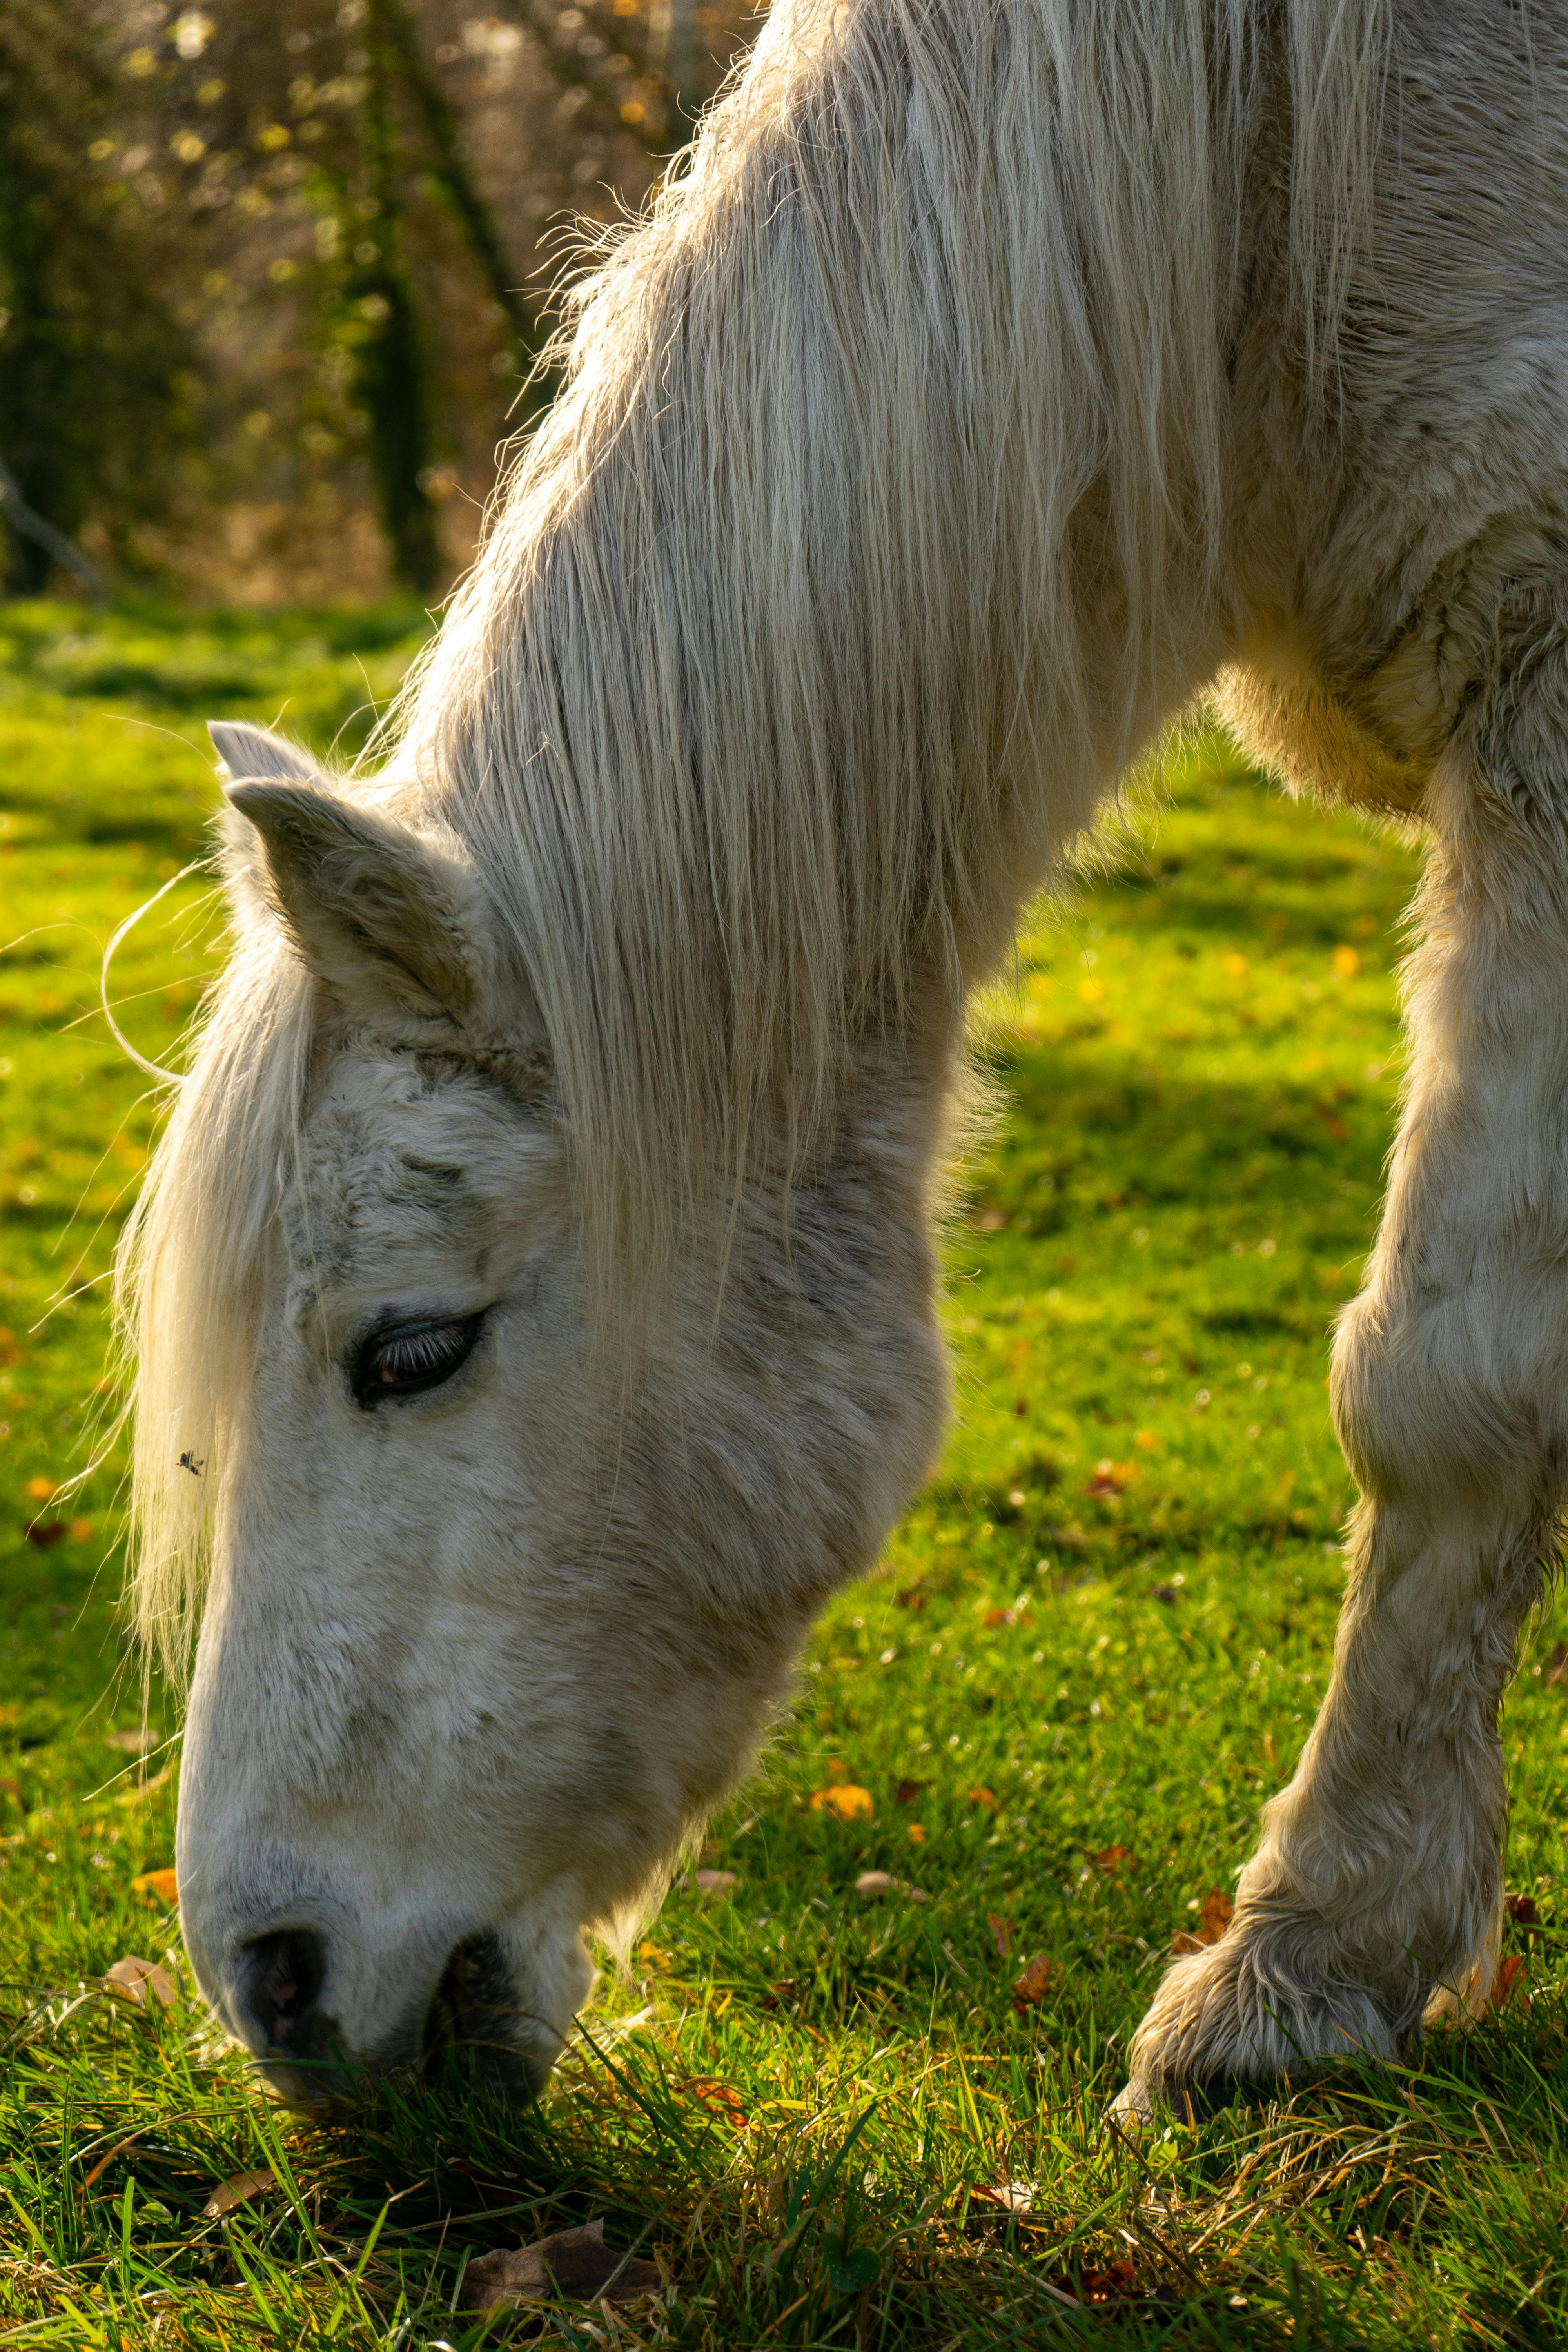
x: 534, y: 1291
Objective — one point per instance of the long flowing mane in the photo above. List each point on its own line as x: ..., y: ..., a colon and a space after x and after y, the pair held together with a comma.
x: 888, y: 478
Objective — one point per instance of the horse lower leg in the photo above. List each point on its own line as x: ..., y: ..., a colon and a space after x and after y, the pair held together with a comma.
x: 1376, y: 1892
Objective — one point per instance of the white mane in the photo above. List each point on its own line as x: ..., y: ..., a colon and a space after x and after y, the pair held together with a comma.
x: 890, y: 470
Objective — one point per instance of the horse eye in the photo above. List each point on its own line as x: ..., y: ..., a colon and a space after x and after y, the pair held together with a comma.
x: 401, y: 1360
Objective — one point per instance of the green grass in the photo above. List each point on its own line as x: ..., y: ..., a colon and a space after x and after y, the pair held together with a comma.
x: 1106, y: 1625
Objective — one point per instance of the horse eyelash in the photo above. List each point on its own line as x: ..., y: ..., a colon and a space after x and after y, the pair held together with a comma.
x: 412, y: 1350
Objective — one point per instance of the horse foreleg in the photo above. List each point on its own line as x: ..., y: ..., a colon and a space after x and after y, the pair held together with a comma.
x: 1376, y: 1894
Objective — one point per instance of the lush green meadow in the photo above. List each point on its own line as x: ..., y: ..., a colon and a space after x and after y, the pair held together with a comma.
x: 1090, y: 1654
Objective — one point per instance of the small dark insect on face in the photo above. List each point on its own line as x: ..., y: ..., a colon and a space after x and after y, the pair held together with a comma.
x: 400, y: 1360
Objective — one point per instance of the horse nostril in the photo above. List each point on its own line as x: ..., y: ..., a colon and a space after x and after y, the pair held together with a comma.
x: 280, y: 1977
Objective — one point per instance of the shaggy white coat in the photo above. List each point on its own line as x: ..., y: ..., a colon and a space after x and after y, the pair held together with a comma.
x: 999, y: 374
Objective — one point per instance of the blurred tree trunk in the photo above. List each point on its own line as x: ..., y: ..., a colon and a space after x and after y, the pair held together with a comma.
x: 672, y: 51
x: 391, y: 371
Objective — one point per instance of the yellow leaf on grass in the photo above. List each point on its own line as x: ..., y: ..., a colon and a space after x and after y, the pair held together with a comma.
x: 845, y: 1801
x: 882, y: 1882
x: 135, y: 1980
x: 161, y: 1884
x: 238, y: 2192
x: 39, y: 1490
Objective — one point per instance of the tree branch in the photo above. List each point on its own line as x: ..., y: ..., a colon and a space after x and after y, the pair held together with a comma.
x: 22, y: 518
x: 441, y: 122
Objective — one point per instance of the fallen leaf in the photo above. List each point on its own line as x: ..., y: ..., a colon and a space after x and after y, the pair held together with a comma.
x: 238, y: 2192
x: 1557, y: 1664
x: 1511, y: 1972
x: 844, y: 1801
x: 161, y: 1884
x: 882, y: 1882
x: 721, y: 2096
x: 1345, y: 961
x: 917, y: 1834
x: 1117, y: 2285
x: 652, y: 1955
x: 913, y: 1598
x: 1013, y: 2196
x: 1522, y: 1911
x: 45, y: 1532
x: 1109, y: 1479
x: 39, y: 1490
x: 574, y: 2265
x: 1215, y: 1915
x: 780, y: 1995
x: 715, y: 1882
x: 1184, y: 1940
x: 1146, y: 1441
x: 906, y: 1792
x: 139, y: 1742
x: 80, y: 1530
x: 1035, y: 1983
x: 1111, y: 1858
x: 134, y: 1979
x: 1001, y: 1933
x: 986, y: 1799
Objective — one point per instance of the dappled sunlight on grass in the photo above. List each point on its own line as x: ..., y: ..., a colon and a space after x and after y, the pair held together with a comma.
x: 849, y: 2086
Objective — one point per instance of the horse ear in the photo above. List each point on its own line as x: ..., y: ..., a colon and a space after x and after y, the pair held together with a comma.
x: 247, y: 751
x: 376, y: 910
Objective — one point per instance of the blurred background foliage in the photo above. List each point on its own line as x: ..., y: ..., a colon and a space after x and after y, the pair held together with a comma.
x: 274, y: 274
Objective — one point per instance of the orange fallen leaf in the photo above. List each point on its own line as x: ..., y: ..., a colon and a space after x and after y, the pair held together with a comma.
x: 721, y: 2096
x: 1214, y: 1916
x: 1146, y: 1441
x: 1117, y: 2285
x: 574, y: 2265
x: 1035, y: 1983
x: 134, y: 1980
x: 882, y: 1882
x: 1111, y: 1858
x: 986, y: 1799
x: 917, y: 1835
x: 161, y: 1884
x: 1508, y: 1979
x: 238, y: 2192
x: 715, y: 1882
x: 1001, y: 1933
x: 39, y: 1490
x: 845, y: 1801
x: 1109, y: 1479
